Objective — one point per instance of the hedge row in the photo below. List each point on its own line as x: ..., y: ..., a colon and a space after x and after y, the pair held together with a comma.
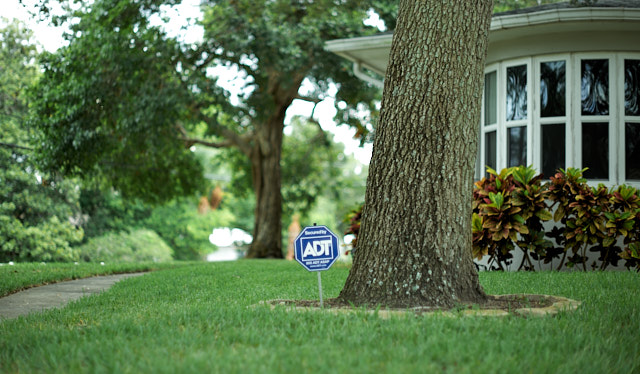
x: 139, y: 245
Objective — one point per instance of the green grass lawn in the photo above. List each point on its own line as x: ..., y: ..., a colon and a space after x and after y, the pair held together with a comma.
x: 24, y: 275
x: 197, y: 319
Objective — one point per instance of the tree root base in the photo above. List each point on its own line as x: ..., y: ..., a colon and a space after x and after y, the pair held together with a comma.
x: 520, y: 305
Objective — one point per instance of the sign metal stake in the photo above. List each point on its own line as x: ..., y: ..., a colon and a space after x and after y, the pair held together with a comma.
x: 319, y: 283
x: 320, y: 288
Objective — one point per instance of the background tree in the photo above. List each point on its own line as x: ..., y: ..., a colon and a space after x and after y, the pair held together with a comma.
x: 388, y: 11
x: 122, y: 100
x: 414, y: 246
x: 34, y: 207
x: 506, y: 5
x: 107, y: 105
x: 318, y: 180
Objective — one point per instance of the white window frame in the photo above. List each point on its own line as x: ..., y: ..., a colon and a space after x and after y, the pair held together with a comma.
x: 623, y: 119
x: 539, y: 121
x: 484, y: 129
x: 503, y: 124
x: 573, y: 118
x: 611, y: 118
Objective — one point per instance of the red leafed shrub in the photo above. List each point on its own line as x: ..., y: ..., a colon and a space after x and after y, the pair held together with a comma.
x: 510, y: 208
x: 353, y: 219
x: 508, y: 211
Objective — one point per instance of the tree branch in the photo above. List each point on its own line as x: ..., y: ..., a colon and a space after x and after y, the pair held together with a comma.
x: 14, y: 146
x: 192, y: 141
x: 314, y: 100
x: 243, y: 143
x: 232, y: 140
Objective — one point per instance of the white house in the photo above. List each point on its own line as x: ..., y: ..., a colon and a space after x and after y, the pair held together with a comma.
x: 562, y: 88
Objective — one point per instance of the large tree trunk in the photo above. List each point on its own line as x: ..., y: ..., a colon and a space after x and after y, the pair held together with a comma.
x: 265, y: 169
x: 414, y: 247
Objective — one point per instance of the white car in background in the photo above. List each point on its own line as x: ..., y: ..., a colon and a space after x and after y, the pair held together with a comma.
x: 231, y: 244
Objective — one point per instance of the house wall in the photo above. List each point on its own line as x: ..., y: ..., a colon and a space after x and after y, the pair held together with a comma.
x: 562, y: 42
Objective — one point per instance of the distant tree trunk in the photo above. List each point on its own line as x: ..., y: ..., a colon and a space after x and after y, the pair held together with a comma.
x: 415, y: 240
x: 265, y: 168
x: 265, y: 158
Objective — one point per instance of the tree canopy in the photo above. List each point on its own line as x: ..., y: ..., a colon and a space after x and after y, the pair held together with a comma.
x: 108, y: 104
x: 124, y: 101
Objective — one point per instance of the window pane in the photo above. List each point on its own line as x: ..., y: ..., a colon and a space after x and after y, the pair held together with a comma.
x: 595, y: 87
x: 595, y: 150
x: 553, y: 148
x: 516, y: 92
x: 490, y: 98
x: 632, y: 87
x: 632, y: 151
x: 552, y: 89
x: 490, y: 149
x: 517, y: 146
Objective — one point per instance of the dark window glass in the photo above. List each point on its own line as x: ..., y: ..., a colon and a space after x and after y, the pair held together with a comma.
x: 516, y: 92
x: 553, y: 148
x: 552, y: 88
x: 595, y: 150
x: 632, y: 87
x: 490, y: 99
x: 594, y: 89
x: 490, y: 149
x: 632, y: 151
x: 516, y: 146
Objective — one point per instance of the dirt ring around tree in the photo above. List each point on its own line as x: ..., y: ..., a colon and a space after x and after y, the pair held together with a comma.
x: 520, y: 305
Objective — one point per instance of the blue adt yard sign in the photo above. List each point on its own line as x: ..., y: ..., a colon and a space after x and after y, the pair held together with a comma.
x: 316, y: 248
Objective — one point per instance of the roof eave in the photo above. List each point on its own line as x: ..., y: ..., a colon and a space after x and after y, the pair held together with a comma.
x: 564, y: 15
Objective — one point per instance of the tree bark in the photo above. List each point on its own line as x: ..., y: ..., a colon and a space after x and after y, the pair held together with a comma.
x: 265, y: 158
x: 414, y: 247
x: 265, y: 170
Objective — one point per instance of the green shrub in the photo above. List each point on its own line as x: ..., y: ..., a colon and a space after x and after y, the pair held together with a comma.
x: 107, y: 211
x: 48, y: 241
x: 181, y: 226
x: 137, y: 246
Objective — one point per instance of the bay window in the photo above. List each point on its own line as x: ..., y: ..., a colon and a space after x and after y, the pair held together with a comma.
x: 631, y: 119
x: 572, y: 110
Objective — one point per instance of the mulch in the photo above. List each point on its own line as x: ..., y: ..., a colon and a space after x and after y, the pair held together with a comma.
x: 507, y: 303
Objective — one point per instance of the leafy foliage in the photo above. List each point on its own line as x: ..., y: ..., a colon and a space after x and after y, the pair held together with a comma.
x: 123, y: 102
x: 310, y: 159
x: 626, y: 220
x: 353, y: 219
x: 510, y: 208
x: 184, y: 229
x: 591, y: 218
x: 35, y: 207
x: 178, y: 223
x: 580, y: 209
x: 507, y: 5
x: 106, y: 211
x: 108, y: 103
x: 138, y: 246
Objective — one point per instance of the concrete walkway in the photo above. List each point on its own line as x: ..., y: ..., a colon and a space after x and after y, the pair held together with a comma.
x: 55, y: 295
